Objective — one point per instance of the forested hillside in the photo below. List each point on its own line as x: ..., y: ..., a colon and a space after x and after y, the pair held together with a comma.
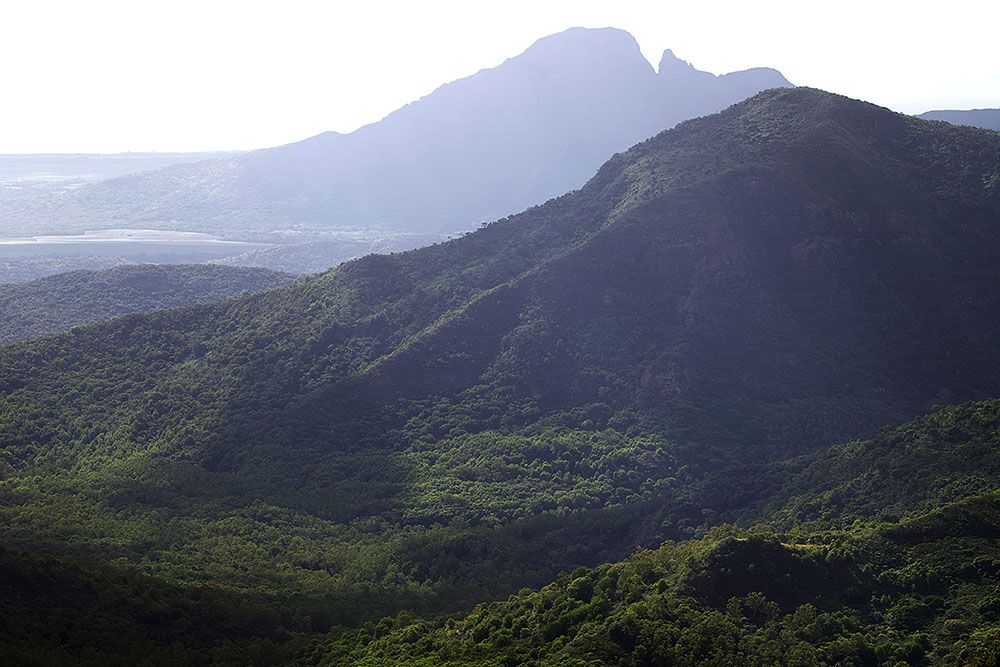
x: 675, y: 345
x: 918, y: 591
x: 56, y: 303
x: 911, y: 583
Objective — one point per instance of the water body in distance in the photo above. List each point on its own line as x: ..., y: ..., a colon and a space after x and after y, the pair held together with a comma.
x: 141, y: 245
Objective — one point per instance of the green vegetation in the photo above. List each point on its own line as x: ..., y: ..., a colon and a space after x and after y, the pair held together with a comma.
x: 674, y: 347
x: 56, y: 303
x: 262, y: 585
x: 60, y: 613
x: 914, y: 592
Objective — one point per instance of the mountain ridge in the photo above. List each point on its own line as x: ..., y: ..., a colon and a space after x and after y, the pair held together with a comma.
x: 395, y: 269
x: 430, y: 429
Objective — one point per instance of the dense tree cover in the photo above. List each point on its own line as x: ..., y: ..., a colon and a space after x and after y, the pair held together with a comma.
x: 632, y: 362
x: 56, y: 303
x: 917, y: 591
x: 274, y: 580
x: 59, y: 613
x: 949, y: 454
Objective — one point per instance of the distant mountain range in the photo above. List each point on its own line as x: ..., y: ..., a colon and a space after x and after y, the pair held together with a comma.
x: 988, y: 119
x: 674, y: 345
x: 56, y: 303
x: 472, y: 151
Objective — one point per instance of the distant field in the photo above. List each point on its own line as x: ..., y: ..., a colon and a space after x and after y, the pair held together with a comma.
x: 36, y: 169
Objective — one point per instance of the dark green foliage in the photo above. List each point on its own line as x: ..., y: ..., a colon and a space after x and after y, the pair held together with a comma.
x: 59, y: 613
x: 56, y: 303
x: 939, y: 458
x: 886, y: 593
x: 943, y: 457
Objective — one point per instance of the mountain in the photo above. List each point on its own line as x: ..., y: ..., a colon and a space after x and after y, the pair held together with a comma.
x: 423, y: 431
x: 988, y: 119
x: 473, y: 150
x: 56, y: 303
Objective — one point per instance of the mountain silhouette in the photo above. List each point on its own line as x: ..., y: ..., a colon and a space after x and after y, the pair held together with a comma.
x: 473, y: 150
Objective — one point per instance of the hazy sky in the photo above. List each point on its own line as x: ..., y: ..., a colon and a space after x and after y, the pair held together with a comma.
x: 103, y: 76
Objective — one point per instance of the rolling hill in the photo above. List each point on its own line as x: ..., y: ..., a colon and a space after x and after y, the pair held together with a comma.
x: 56, y: 303
x: 423, y: 431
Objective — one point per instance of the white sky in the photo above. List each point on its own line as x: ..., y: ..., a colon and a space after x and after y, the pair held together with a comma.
x: 108, y: 76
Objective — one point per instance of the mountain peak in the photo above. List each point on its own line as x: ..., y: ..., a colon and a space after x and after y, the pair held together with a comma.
x: 609, y: 47
x: 604, y: 38
x: 987, y: 119
x: 670, y: 59
x: 674, y: 69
